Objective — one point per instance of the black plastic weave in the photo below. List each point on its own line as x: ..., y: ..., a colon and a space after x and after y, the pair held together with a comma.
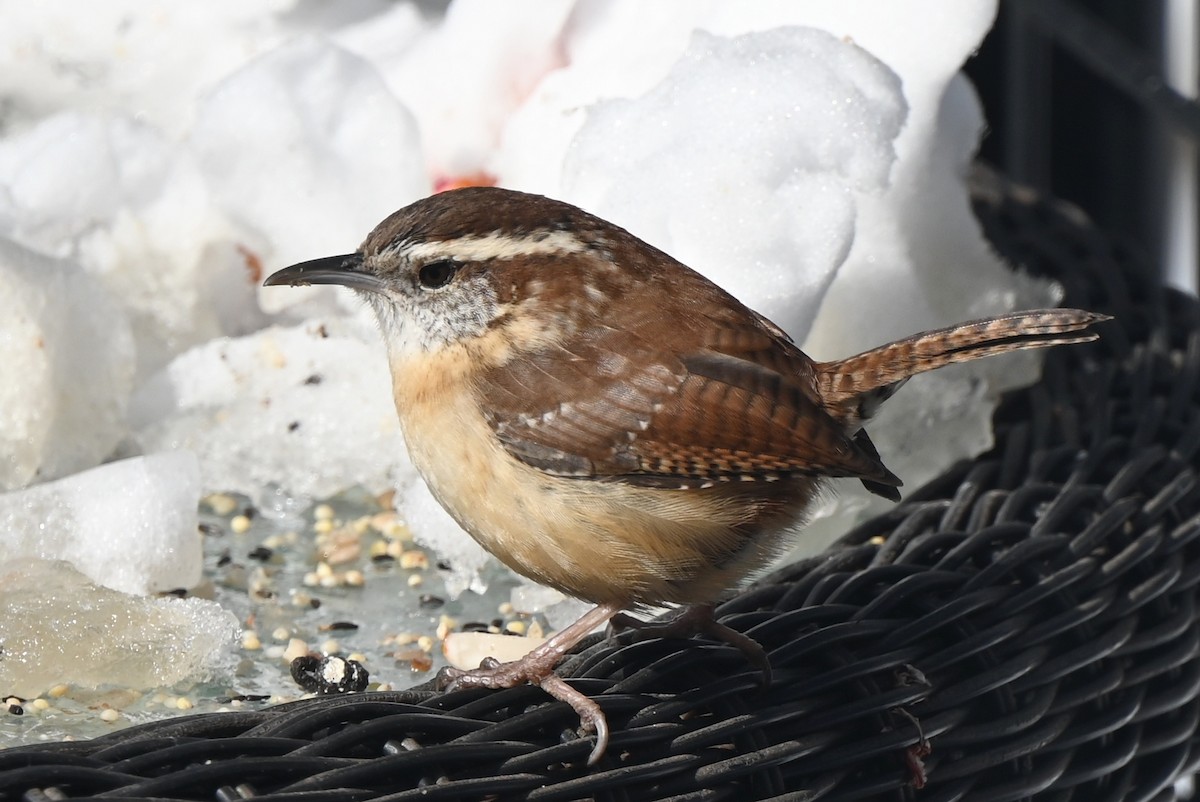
x: 1031, y: 614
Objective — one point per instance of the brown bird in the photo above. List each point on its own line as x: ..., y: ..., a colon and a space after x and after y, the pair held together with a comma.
x: 608, y: 422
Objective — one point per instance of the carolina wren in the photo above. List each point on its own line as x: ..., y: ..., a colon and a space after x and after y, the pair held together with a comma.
x: 608, y: 422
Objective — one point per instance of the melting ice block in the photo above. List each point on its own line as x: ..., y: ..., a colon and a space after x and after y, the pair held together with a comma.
x: 307, y: 409
x: 67, y: 358
x: 60, y: 628
x: 129, y: 525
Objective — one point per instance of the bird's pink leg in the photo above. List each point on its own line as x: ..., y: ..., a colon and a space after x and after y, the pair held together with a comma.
x: 698, y: 619
x: 537, y: 668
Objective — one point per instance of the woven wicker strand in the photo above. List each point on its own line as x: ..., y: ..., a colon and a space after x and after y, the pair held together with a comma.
x: 1022, y: 627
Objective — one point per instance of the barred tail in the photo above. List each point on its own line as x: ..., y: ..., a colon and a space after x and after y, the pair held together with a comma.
x: 856, y: 386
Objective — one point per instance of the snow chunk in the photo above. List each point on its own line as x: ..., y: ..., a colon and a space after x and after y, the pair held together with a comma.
x: 306, y: 150
x: 131, y: 209
x: 464, y: 77
x: 129, y: 525
x: 59, y: 628
x: 746, y: 162
x: 151, y: 58
x: 68, y: 358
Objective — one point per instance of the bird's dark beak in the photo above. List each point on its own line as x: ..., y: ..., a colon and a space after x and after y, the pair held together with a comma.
x: 346, y: 270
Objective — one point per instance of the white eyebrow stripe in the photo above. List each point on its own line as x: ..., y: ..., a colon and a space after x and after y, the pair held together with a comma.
x: 496, y: 246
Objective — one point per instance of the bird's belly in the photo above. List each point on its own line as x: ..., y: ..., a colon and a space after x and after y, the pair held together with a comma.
x: 603, y: 541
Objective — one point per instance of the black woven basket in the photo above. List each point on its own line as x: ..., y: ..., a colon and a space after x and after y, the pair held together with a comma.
x: 1022, y: 627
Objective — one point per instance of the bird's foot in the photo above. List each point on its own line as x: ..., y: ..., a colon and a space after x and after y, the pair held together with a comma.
x: 537, y: 668
x: 495, y: 675
x: 698, y: 619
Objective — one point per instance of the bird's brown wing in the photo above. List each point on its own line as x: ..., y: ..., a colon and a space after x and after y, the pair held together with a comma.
x: 737, y: 407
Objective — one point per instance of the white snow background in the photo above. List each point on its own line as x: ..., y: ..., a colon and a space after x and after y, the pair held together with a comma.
x: 158, y: 159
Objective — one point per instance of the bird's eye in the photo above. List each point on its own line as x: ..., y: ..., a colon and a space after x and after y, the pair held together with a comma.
x: 437, y: 274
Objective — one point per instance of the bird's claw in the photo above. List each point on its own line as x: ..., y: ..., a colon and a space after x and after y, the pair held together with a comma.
x: 591, y: 717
